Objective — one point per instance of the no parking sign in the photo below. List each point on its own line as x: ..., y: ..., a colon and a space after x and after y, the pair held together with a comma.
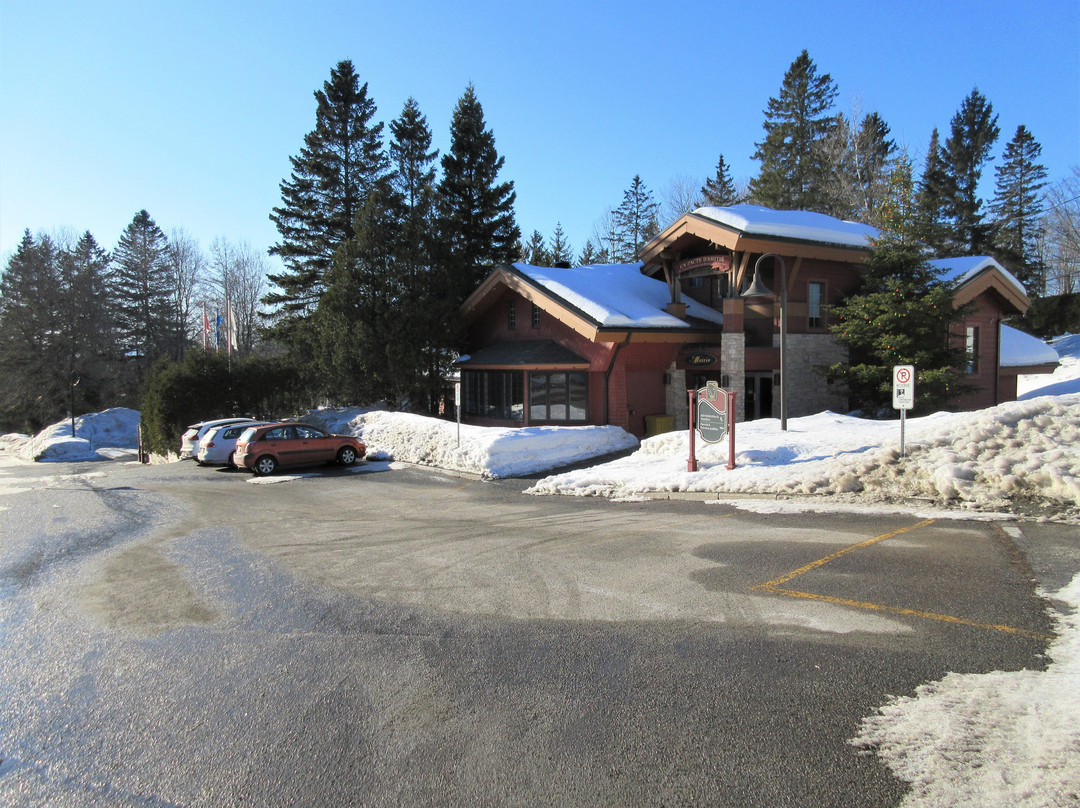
x: 903, y: 387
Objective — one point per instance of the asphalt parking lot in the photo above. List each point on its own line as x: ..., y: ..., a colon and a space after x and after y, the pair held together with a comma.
x: 396, y: 636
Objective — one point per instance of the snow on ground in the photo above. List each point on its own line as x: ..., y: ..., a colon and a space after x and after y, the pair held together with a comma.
x: 487, y: 451
x: 1001, y: 738
x: 98, y: 436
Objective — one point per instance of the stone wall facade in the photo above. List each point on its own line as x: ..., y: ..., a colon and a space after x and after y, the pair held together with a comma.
x: 809, y: 391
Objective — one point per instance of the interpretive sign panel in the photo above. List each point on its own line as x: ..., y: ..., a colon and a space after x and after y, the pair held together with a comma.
x: 712, y: 419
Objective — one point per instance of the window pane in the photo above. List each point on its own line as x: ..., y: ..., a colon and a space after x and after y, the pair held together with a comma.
x: 517, y: 400
x: 557, y: 395
x: 579, y: 396
x: 538, y: 398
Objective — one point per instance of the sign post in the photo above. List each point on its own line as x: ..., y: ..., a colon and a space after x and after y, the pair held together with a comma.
x: 457, y: 409
x: 712, y: 414
x: 903, y: 396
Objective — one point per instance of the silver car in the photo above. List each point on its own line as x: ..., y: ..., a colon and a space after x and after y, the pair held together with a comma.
x: 189, y: 443
x: 216, y: 446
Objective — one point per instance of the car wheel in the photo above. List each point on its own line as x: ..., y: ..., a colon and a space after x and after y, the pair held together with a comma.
x: 346, y: 456
x: 231, y: 462
x: 265, y: 465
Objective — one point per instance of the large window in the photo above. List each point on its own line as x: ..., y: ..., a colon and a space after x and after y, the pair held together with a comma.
x: 558, y: 396
x: 494, y: 394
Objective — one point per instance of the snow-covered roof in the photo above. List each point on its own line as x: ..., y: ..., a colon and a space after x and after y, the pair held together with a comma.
x: 964, y: 268
x: 1019, y: 349
x: 616, y: 295
x: 802, y: 225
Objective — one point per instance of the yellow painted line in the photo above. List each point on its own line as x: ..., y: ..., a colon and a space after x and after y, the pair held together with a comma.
x: 821, y: 561
x: 773, y: 588
x: 877, y: 607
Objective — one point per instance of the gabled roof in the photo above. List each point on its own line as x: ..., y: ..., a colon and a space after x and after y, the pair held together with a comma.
x: 601, y: 298
x: 757, y: 229
x: 975, y: 274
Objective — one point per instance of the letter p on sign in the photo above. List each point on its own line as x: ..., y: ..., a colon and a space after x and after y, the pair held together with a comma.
x: 903, y: 388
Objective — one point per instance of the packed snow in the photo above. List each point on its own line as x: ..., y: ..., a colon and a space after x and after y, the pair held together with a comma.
x: 796, y: 224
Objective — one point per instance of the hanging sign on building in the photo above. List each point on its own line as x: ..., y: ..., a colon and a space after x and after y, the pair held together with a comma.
x: 712, y: 263
x: 700, y: 359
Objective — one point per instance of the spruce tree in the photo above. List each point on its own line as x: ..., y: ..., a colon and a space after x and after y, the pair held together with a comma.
x: 1017, y: 208
x: 91, y: 352
x: 901, y: 315
x: 475, y: 212
x: 536, y: 252
x: 425, y: 316
x: 931, y: 199
x: 635, y: 221
x: 561, y: 251
x: 792, y: 173
x: 143, y: 293
x: 719, y: 190
x: 340, y: 163
x: 974, y: 131
x: 590, y: 254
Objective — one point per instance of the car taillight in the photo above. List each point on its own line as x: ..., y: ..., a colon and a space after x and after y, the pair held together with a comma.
x: 209, y: 445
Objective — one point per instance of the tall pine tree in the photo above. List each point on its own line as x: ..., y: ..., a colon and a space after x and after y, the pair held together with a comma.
x: 792, y: 172
x: 340, y: 163
x: 719, y: 190
x: 1017, y: 208
x: 974, y: 131
x: 475, y: 212
x: 143, y: 291
x: 931, y: 199
x: 635, y: 221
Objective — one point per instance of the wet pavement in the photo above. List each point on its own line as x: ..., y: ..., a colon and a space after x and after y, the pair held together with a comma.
x: 381, y: 636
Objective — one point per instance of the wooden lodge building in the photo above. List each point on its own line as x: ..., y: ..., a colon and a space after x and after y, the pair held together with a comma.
x: 621, y: 344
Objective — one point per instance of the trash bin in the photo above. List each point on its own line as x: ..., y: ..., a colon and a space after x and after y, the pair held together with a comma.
x: 659, y: 424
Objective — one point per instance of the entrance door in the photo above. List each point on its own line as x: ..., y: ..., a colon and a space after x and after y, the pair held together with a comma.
x: 759, y: 395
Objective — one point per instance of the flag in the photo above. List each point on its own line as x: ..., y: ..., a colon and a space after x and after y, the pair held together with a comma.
x: 217, y: 340
x: 206, y: 330
x: 230, y: 327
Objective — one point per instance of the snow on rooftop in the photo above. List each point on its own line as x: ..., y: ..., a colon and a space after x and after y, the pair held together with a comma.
x: 792, y: 224
x: 1019, y: 349
x: 616, y: 295
x: 963, y: 268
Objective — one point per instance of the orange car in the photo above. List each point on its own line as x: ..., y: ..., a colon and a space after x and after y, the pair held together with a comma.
x: 266, y: 447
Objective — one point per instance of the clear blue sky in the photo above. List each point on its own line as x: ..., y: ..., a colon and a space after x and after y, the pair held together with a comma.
x: 192, y: 109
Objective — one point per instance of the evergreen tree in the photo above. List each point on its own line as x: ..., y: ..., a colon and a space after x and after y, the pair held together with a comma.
x: 536, y: 252
x: 1017, y: 208
x: 143, y: 293
x: 590, y: 255
x: 90, y: 333
x: 354, y: 320
x: 719, y: 190
x: 635, y: 221
x: 898, y: 217
x: 974, y: 132
x: 340, y: 163
x: 901, y: 315
x: 792, y: 173
x: 561, y: 251
x: 475, y: 212
x: 931, y: 199
x: 420, y: 354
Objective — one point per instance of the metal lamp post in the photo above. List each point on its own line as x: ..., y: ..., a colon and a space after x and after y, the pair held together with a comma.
x: 758, y: 289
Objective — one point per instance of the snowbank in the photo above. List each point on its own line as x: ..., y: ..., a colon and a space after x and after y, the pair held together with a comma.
x: 489, y: 452
x: 972, y: 740
x: 98, y: 436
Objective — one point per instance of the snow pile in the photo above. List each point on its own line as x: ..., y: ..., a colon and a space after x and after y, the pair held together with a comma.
x: 1019, y: 450
x: 487, y: 451
x: 990, y: 739
x: 1064, y: 380
x: 98, y: 436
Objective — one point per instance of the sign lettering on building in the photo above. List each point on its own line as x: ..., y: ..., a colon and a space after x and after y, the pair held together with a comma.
x: 716, y: 263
